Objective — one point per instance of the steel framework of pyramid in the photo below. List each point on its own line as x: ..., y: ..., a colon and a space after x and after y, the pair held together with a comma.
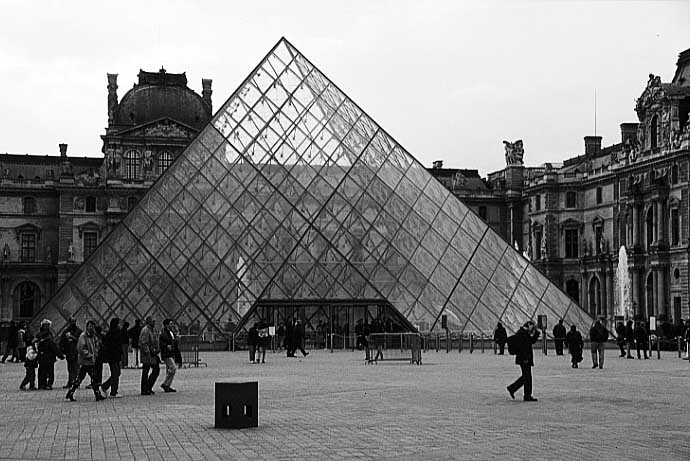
x: 292, y: 192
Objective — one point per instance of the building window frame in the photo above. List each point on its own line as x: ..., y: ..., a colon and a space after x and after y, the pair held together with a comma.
x: 132, y: 164
x: 537, y: 202
x: 165, y: 159
x: 28, y: 242
x: 571, y: 199
x: 132, y: 201
x: 89, y: 242
x: 26, y: 297
x: 674, y: 225
x: 28, y: 205
x: 600, y: 195
x: 90, y: 204
x: 482, y: 212
x: 571, y: 242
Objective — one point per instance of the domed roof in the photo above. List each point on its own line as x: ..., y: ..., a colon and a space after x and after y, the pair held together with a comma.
x: 159, y: 95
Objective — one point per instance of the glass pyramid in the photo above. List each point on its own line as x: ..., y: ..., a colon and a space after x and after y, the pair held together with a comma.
x: 292, y: 192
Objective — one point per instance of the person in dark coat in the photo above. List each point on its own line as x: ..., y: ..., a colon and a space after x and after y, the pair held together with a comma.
x: 298, y: 339
x: 641, y: 338
x: 264, y: 341
x: 112, y: 355
x: 500, y: 337
x: 134, y: 334
x: 11, y: 348
x: 124, y: 344
x: 523, y: 341
x: 620, y: 337
x: 252, y: 341
x: 170, y: 354
x: 47, y: 356
x: 559, y: 336
x: 68, y: 346
x: 289, y: 338
x: 629, y: 338
x: 598, y: 335
x: 575, y: 345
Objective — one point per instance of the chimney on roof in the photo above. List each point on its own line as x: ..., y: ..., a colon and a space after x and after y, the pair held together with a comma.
x: 437, y: 165
x: 628, y: 133
x: 206, y: 90
x: 592, y: 145
x: 112, y: 97
x: 63, y: 150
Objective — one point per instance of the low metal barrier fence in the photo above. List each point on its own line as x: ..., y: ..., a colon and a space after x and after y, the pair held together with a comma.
x: 189, y: 350
x: 395, y: 346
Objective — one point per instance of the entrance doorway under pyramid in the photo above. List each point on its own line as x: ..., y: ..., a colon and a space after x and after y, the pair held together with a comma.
x: 292, y: 195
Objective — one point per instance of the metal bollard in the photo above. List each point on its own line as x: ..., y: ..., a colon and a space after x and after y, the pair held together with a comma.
x: 460, y: 343
x: 658, y: 349
x: 678, y: 339
x: 471, y: 342
x: 482, y: 344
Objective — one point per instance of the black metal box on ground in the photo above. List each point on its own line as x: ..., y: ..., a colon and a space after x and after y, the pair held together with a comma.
x: 237, y: 405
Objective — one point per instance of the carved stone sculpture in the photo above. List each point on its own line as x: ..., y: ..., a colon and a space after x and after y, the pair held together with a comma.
x: 514, y: 152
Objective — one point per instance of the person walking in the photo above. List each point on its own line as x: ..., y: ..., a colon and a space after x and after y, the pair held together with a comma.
x: 264, y: 341
x: 112, y: 355
x: 641, y: 338
x: 148, y: 344
x: 522, y: 342
x: 289, y: 337
x: 134, y: 334
x: 598, y: 335
x: 687, y: 339
x: 30, y: 364
x: 500, y: 337
x: 88, y: 348
x: 377, y: 337
x: 124, y: 344
x: 47, y: 356
x: 170, y: 353
x: 559, y: 336
x: 298, y: 339
x: 629, y: 338
x: 252, y: 341
x: 68, y: 346
x: 11, y: 347
x: 575, y: 345
x: 620, y: 337
x: 21, y: 341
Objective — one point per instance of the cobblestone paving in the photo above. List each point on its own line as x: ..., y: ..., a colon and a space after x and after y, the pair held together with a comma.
x: 333, y: 406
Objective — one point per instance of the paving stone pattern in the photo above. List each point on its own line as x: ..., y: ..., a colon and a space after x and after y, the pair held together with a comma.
x: 333, y: 406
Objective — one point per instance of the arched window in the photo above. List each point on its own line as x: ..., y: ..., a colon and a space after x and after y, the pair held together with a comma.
x: 571, y: 199
x: 29, y: 205
x: 132, y: 163
x: 653, y: 132
x: 572, y: 288
x: 594, y: 297
x: 165, y: 159
x: 90, y: 204
x: 26, y: 297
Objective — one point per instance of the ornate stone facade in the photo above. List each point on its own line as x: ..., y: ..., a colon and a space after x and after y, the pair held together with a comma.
x: 56, y: 209
x: 572, y: 218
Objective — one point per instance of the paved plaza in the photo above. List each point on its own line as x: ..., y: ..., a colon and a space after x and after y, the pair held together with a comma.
x: 333, y: 406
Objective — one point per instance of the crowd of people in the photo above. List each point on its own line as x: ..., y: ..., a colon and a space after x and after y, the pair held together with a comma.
x: 628, y: 336
x: 87, y: 351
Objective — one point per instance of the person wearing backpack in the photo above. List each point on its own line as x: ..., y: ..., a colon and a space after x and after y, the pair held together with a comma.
x: 521, y: 345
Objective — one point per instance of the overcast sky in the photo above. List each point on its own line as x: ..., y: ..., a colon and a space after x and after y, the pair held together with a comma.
x: 448, y: 80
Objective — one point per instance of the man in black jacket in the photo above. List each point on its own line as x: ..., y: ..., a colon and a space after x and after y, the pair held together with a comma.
x: 598, y: 335
x: 522, y: 342
x: 68, y: 346
x: 559, y: 336
x: 112, y: 355
x: 170, y: 353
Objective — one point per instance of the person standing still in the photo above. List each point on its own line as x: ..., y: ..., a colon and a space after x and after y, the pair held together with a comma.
x: 134, y: 334
x: 148, y: 344
x: 641, y: 338
x: 124, y: 344
x: 112, y: 355
x: 598, y: 335
x: 629, y: 338
x: 169, y: 354
x: 575, y: 345
x: 559, y: 336
x: 68, y: 345
x: 620, y: 337
x: 525, y: 337
x: 500, y: 336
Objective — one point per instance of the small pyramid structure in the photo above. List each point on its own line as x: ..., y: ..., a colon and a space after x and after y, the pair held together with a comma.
x: 292, y: 192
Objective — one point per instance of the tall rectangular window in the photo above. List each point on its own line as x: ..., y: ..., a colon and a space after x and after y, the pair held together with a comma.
x: 537, y: 202
x: 28, y: 249
x: 675, y: 227
x: 599, y: 234
x: 600, y: 195
x: 571, y: 242
x: 90, y: 243
x: 537, y: 245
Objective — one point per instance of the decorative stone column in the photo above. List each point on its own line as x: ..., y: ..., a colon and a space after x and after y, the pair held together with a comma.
x: 636, y: 225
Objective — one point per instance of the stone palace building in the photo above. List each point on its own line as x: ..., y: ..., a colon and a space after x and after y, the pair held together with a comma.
x: 570, y: 219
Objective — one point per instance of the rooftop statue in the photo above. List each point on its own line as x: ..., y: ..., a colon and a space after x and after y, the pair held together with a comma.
x: 514, y: 152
